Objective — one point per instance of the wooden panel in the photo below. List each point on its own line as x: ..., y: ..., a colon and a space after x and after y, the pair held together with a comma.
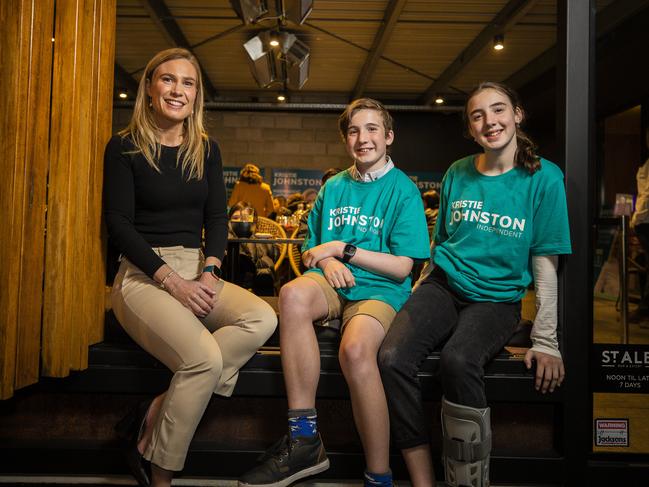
x: 457, y: 11
x: 214, y: 9
x: 10, y: 59
x: 635, y: 408
x: 105, y: 40
x: 25, y: 54
x: 522, y: 43
x: 36, y: 135
x: 73, y: 277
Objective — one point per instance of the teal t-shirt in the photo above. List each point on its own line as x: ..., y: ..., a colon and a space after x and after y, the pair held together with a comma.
x: 489, y: 227
x: 385, y: 215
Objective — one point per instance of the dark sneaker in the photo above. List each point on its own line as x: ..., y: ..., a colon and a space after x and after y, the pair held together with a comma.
x: 286, y: 462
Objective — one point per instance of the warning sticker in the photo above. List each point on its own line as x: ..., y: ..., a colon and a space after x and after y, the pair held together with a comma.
x: 612, y: 432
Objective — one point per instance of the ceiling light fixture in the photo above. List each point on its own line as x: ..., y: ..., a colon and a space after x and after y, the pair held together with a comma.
x: 499, y: 42
x: 123, y: 94
x: 255, y: 11
x: 288, y: 65
x: 274, y: 39
x: 281, y: 97
x: 439, y: 100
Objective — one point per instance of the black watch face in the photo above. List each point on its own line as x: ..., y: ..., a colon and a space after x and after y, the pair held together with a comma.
x: 216, y: 271
x: 349, y: 251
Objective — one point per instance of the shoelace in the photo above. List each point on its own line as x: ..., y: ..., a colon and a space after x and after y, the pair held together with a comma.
x: 275, y: 450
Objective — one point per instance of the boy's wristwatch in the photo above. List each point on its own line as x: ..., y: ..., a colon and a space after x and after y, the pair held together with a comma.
x: 348, y: 252
x: 214, y: 270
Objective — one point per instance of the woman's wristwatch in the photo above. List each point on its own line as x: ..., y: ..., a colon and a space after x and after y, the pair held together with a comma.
x: 214, y: 270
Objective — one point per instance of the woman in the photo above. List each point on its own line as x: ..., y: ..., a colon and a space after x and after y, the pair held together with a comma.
x: 163, y: 185
x: 251, y: 188
x: 502, y: 218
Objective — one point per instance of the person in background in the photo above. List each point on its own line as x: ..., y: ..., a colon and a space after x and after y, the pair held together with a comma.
x: 257, y: 260
x: 366, y: 228
x: 163, y: 186
x: 279, y: 208
x: 431, y: 209
x: 308, y: 196
x: 640, y: 225
x: 293, y: 202
x: 329, y: 173
x: 502, y: 219
x: 251, y: 188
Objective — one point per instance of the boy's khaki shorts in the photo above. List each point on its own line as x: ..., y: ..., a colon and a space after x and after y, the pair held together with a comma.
x: 339, y: 307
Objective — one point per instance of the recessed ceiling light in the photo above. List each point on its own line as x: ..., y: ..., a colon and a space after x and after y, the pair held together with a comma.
x: 499, y: 42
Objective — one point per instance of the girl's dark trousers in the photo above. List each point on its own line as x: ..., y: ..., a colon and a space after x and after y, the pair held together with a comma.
x: 472, y: 333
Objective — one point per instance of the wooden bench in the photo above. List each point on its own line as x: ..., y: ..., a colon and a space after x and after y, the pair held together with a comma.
x: 118, y: 367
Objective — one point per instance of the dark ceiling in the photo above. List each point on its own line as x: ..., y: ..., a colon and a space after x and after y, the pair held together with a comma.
x: 400, y: 51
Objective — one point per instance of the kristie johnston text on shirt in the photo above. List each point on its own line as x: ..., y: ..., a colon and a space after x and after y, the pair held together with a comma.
x: 472, y: 211
x: 353, y: 216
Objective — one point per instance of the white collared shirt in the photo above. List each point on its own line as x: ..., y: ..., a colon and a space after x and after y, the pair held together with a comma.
x: 371, y: 175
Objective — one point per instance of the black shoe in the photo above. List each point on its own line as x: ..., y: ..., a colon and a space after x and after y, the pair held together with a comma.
x: 130, y: 430
x: 287, y: 461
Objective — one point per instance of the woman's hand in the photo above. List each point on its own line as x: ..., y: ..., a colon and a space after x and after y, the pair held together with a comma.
x: 210, y: 281
x: 336, y: 273
x: 311, y: 257
x: 549, y: 370
x: 196, y: 296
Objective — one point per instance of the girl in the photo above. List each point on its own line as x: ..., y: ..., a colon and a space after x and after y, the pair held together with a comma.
x: 502, y: 218
x: 163, y: 185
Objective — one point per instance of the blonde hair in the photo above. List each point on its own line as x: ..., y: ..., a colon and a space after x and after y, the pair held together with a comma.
x: 143, y: 129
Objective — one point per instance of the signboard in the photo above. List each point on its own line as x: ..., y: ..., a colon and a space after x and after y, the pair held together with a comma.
x: 620, y: 368
x: 612, y: 432
x: 426, y: 180
x: 285, y: 182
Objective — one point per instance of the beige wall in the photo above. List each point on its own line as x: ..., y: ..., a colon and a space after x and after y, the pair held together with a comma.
x: 272, y: 139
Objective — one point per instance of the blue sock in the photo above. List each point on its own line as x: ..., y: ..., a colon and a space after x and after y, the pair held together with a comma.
x: 378, y: 479
x: 303, y: 422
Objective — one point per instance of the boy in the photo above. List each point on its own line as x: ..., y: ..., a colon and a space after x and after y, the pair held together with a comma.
x: 365, y: 229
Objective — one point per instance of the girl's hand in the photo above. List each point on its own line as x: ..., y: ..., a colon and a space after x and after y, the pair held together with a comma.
x: 549, y: 370
x: 196, y: 296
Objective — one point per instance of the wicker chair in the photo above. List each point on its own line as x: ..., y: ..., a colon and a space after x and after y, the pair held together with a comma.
x: 266, y: 225
x: 295, y: 255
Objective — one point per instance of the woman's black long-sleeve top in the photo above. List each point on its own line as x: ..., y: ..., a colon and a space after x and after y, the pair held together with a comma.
x: 144, y: 208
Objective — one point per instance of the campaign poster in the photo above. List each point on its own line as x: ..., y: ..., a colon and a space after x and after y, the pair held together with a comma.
x: 285, y: 182
x: 620, y: 368
x: 426, y: 180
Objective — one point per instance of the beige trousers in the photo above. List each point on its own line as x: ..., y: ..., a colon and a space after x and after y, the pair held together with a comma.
x: 205, y: 354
